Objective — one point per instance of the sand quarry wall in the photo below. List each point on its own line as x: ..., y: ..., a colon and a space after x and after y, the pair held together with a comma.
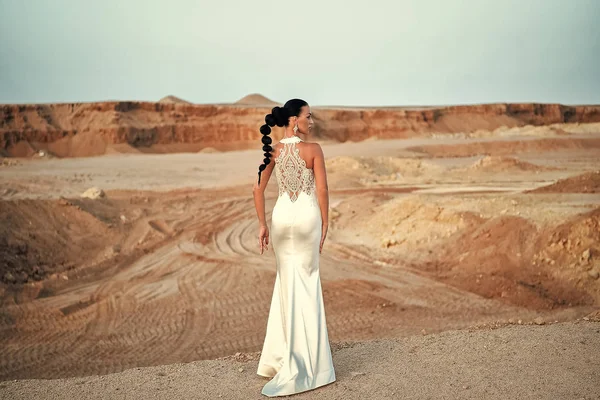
x: 86, y: 129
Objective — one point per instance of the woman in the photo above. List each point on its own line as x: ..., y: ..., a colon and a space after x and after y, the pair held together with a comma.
x: 296, y: 353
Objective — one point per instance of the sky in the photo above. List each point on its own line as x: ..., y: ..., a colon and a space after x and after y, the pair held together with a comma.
x: 327, y: 52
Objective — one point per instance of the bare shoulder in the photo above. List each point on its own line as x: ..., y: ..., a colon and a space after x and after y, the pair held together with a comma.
x: 276, y: 148
x: 315, y: 149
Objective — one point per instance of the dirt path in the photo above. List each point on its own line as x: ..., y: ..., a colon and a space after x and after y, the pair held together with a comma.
x: 556, y: 361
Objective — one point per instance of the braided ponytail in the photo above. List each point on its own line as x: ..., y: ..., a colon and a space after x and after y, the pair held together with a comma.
x: 279, y: 116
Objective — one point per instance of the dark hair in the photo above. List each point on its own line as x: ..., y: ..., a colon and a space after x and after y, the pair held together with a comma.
x: 279, y: 116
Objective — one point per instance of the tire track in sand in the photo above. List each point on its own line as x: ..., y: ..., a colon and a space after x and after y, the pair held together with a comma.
x: 205, y: 293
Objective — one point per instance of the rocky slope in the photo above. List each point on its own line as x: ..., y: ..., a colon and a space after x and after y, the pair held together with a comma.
x: 87, y: 129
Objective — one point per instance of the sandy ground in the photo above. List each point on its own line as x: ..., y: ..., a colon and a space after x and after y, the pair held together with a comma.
x: 427, y: 237
x: 556, y: 361
x: 42, y: 178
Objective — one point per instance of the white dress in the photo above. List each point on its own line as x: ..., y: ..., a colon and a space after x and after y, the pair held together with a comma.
x: 296, y: 352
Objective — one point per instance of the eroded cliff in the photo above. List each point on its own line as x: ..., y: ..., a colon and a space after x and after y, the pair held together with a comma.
x: 87, y: 129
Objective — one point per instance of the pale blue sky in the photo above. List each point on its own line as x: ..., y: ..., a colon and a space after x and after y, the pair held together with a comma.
x: 329, y: 52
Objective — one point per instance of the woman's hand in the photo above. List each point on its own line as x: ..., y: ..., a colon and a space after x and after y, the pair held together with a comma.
x: 263, y: 238
x: 323, y: 236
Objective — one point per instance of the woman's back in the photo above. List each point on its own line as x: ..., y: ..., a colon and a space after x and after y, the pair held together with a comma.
x: 293, y: 174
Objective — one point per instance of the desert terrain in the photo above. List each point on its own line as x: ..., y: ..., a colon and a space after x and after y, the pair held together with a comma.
x: 128, y: 240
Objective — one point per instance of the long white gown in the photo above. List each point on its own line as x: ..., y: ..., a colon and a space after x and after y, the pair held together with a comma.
x: 296, y: 352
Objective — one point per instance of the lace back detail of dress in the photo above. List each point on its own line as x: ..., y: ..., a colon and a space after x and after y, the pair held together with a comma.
x: 293, y: 177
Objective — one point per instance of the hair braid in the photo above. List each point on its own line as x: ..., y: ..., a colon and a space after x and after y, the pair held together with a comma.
x: 276, y: 117
x: 279, y: 116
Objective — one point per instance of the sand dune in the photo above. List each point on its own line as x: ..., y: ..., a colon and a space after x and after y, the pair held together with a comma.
x: 256, y: 99
x: 173, y: 99
x: 506, y: 147
x: 504, y: 165
x: 588, y: 182
x: 353, y: 171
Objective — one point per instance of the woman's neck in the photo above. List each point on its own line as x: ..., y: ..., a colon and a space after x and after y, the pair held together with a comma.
x: 288, y: 133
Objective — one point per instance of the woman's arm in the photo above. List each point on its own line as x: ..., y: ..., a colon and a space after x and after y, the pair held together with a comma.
x: 259, y: 193
x: 259, y: 204
x: 322, y: 190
